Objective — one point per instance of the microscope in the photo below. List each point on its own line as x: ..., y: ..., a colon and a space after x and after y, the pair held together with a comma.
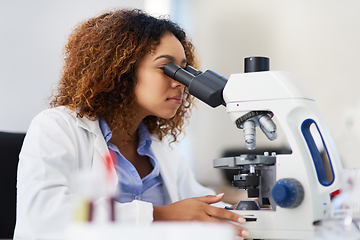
x: 295, y: 185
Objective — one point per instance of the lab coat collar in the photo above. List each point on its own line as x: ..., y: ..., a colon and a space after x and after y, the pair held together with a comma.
x: 84, y: 122
x: 90, y: 125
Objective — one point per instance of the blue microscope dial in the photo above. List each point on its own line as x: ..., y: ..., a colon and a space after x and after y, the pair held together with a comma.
x: 288, y: 193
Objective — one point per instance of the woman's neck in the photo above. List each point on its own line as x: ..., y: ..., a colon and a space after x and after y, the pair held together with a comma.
x: 127, y: 142
x: 125, y: 137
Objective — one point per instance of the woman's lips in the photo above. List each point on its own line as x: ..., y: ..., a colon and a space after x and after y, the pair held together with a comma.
x: 175, y: 99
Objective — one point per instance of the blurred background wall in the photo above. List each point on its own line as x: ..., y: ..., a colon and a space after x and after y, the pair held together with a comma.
x: 317, y: 41
x: 32, y: 36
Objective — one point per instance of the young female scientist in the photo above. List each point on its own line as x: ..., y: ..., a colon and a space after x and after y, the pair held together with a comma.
x: 114, y: 97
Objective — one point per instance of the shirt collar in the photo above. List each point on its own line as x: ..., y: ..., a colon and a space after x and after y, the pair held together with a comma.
x: 105, y: 129
x: 143, y: 133
x: 144, y: 136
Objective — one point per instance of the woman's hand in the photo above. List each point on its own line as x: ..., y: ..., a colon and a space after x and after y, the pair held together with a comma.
x: 199, y: 209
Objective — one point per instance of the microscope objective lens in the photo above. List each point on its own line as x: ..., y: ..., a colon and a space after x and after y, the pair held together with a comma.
x: 249, y: 134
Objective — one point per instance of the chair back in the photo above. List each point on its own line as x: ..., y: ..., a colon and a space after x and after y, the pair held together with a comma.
x: 10, y: 146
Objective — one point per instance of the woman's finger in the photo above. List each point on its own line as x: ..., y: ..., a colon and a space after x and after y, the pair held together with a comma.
x: 224, y: 214
x: 210, y: 199
x: 242, y: 232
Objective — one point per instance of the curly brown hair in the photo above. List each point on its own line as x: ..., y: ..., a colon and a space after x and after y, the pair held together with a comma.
x: 98, y: 75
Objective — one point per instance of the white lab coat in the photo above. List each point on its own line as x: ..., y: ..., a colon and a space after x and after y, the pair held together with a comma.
x: 58, y: 145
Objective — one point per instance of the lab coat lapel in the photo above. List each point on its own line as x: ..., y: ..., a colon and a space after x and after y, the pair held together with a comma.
x: 168, y: 174
x: 100, y: 151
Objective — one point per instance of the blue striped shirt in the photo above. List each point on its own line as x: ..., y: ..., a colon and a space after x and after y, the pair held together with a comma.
x: 131, y: 186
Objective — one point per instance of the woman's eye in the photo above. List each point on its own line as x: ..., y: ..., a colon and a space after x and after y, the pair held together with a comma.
x: 162, y: 68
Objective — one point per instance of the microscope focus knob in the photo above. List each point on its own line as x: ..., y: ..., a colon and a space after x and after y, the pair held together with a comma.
x: 288, y: 193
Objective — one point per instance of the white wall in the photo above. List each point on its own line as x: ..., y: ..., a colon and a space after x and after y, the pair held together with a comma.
x: 317, y: 41
x: 32, y: 36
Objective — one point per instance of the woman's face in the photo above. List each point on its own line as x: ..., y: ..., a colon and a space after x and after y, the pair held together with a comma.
x: 157, y: 94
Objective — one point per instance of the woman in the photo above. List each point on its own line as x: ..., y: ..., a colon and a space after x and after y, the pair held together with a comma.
x: 113, y: 97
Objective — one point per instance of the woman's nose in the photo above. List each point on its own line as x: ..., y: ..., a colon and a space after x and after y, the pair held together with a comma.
x: 177, y: 84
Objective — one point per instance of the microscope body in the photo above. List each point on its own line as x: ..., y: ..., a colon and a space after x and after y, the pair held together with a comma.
x: 305, y: 167
x: 297, y: 185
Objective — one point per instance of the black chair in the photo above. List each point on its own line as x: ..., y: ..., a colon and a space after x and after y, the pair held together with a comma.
x: 10, y: 145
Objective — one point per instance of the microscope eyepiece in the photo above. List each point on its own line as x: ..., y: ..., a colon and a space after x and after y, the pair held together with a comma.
x: 206, y: 86
x: 170, y: 69
x: 179, y: 74
x: 193, y: 70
